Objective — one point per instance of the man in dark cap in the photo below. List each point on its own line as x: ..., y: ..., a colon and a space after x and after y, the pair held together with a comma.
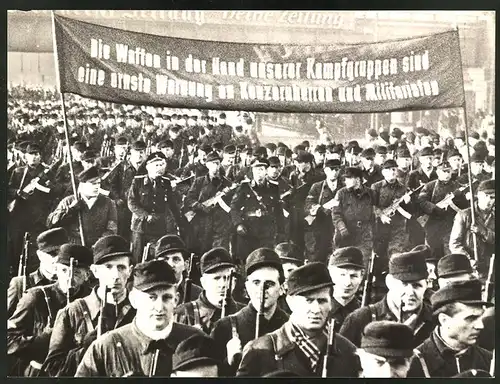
x: 406, y: 284
x: 48, y: 244
x: 291, y: 259
x: 403, y: 159
x: 264, y: 273
x: 172, y: 250
x: 98, y: 212
x: 461, y: 240
x: 371, y: 171
x: 454, y: 157
x: 318, y: 211
x: 146, y: 345
x: 196, y: 356
x: 390, y: 234
x: 207, y: 208
x: 430, y: 262
x: 197, y: 167
x: 386, y: 350
x: 452, y: 347
x: 440, y: 216
x: 300, y: 343
x: 380, y: 155
x: 452, y: 268
x: 346, y: 269
x: 277, y: 176
x: 223, y: 130
x: 476, y: 164
x: 256, y: 212
x: 154, y: 206
x: 217, y: 270
x: 352, y: 214
x: 106, y: 308
x: 88, y: 159
x: 62, y: 183
x: 30, y: 327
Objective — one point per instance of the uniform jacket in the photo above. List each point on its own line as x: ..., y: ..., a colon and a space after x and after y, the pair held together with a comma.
x: 127, y: 349
x: 353, y: 211
x: 30, y: 327
x: 245, y: 321
x: 98, y: 221
x: 321, y: 190
x: 15, y: 290
x: 385, y: 195
x: 418, y: 176
x: 145, y: 199
x: 72, y: 324
x: 202, y: 314
x: 356, y: 322
x: 277, y: 351
x: 372, y: 176
x: 122, y: 180
x: 442, y: 362
x: 435, y: 191
x: 340, y: 312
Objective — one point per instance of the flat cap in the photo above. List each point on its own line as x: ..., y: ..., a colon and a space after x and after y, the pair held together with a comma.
x: 408, y: 266
x: 155, y: 156
x: 333, y: 164
x: 381, y: 150
x: 166, y: 144
x: 453, y: 264
x: 89, y: 155
x: 33, y: 148
x: 452, y: 153
x: 215, y: 259
x: 152, y: 274
x: 320, y: 148
x: 110, y: 246
x: 89, y: 175
x: 309, y: 277
x: 260, y: 152
x: 474, y: 135
x: 388, y: 339
x: 263, y: 257
x: 82, y: 256
x: 289, y: 253
x: 213, y: 156
x: 51, y: 240
x: 271, y: 146
x: 347, y: 257
x: 353, y: 172
x: 304, y: 157
x: 426, y: 151
x: 80, y: 146
x: 389, y: 164
x: 368, y: 153
x: 230, y: 149
x: 274, y: 161
x: 467, y: 292
x: 139, y: 145
x: 487, y: 186
x: 170, y: 244
x: 425, y: 250
x: 259, y: 162
x: 196, y: 351
x: 403, y: 152
x: 444, y: 165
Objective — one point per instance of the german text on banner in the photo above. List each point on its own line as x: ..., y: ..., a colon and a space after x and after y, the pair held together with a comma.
x: 136, y: 68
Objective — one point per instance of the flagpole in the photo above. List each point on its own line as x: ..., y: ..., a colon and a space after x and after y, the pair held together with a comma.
x: 469, y: 174
x: 66, y: 131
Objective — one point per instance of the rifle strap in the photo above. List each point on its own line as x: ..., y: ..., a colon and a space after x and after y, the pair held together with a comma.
x: 277, y: 357
x: 86, y: 315
x: 234, y: 328
x: 372, y: 311
x: 46, y: 296
x: 420, y: 358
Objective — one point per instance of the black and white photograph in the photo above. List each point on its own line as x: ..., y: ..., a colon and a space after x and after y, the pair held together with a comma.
x: 250, y: 193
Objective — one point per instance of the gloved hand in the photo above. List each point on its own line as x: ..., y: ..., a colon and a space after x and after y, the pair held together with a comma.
x: 241, y: 230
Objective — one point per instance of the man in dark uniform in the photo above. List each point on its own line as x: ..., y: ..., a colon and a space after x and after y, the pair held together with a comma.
x: 406, y: 283
x: 264, y: 271
x: 154, y: 206
x: 275, y: 176
x: 172, y: 250
x: 352, y: 214
x: 440, y: 218
x: 476, y: 169
x: 291, y: 259
x: 62, y: 181
x: 224, y: 130
x: 30, y: 327
x: 81, y: 322
x: 198, y: 167
x: 216, y: 270
x: 211, y: 223
x: 318, y: 211
x: 371, y: 171
x: 346, y: 270
x: 452, y: 347
x: 300, y: 343
x: 403, y: 159
x: 48, y: 244
x: 146, y: 345
x: 256, y: 212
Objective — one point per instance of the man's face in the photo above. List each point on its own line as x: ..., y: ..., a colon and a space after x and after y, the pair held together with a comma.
x: 33, y: 159
x: 319, y: 158
x: 259, y: 173
x: 375, y: 366
x: 347, y: 281
x: 213, y: 167
x: 156, y: 168
x: 289, y: 268
x: 310, y: 310
x: 80, y: 276
x: 380, y: 158
x: 444, y: 174
x: 476, y: 168
x: 411, y: 293
x: 253, y: 285
x: 455, y: 162
x: 204, y: 371
x: 464, y: 326
x: 403, y: 163
x: 352, y: 182
x: 425, y: 161
x: 168, y: 152
x: 459, y: 143
x: 120, y: 152
x: 303, y: 167
x: 86, y: 164
x: 485, y: 201
x: 90, y: 189
x: 47, y: 263
x: 202, y: 156
x: 389, y: 174
x: 273, y: 171
x: 113, y: 273
x: 155, y: 308
x: 367, y: 162
x: 215, y: 285
x: 177, y: 262
x: 137, y: 156
x: 332, y: 173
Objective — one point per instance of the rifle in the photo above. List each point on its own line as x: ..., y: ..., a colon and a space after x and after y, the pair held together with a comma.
x: 212, y: 201
x: 260, y: 312
x: 104, y: 302
x: 446, y: 202
x: 394, y: 207
x: 487, y: 285
x: 110, y: 171
x: 23, y: 261
x: 367, y: 288
x: 226, y: 303
x: 330, y: 348
x: 70, y: 280
x: 182, y: 154
x: 328, y: 205
x: 188, y: 283
x: 145, y: 252
x: 492, y: 365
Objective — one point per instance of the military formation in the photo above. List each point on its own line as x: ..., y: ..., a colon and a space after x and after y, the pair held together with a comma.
x: 156, y: 242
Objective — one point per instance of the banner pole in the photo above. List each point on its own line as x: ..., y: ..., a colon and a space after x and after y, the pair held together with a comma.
x: 66, y: 131
x: 469, y: 174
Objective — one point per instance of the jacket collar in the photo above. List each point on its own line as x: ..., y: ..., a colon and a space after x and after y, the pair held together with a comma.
x: 94, y: 304
x: 284, y: 340
x: 37, y: 277
x: 383, y: 312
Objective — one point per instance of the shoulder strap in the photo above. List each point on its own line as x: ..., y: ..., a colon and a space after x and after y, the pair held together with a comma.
x: 420, y: 358
x: 234, y: 328
x: 86, y: 315
x: 272, y: 335
x: 372, y: 311
x: 197, y: 317
x: 46, y: 296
